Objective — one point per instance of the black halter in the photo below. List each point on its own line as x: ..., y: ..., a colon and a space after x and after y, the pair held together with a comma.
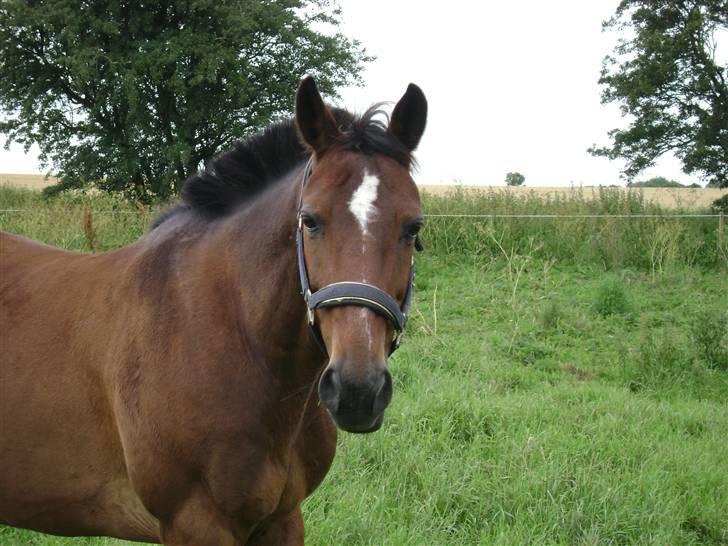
x: 350, y: 293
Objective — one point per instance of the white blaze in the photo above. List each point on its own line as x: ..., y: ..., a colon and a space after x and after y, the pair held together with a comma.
x: 365, y: 317
x: 362, y: 200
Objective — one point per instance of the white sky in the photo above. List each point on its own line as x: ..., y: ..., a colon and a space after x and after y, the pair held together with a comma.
x: 511, y: 86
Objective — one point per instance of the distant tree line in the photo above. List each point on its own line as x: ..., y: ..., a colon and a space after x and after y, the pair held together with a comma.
x: 660, y: 182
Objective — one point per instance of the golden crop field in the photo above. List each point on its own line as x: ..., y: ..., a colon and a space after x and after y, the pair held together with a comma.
x: 685, y: 198
x: 32, y: 181
x: 670, y: 198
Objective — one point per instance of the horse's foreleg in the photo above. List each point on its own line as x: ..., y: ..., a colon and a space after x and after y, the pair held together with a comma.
x: 284, y: 531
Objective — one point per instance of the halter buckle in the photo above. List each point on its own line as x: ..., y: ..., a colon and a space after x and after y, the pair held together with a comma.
x: 397, y: 338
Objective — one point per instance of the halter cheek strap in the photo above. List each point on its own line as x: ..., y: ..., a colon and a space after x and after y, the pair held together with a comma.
x: 351, y: 293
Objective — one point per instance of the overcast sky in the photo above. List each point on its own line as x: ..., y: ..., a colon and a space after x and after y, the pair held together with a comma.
x: 511, y: 86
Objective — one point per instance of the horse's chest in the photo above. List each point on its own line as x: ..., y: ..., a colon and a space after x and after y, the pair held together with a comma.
x: 310, y: 460
x: 268, y: 483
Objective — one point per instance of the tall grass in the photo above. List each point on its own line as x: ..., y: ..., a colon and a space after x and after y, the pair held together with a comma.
x: 78, y: 221
x: 652, y: 244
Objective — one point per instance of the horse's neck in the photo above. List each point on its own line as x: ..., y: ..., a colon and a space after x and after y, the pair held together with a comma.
x: 265, y: 288
x: 232, y: 288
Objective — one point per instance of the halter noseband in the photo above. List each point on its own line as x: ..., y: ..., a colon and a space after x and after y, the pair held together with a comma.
x: 350, y: 293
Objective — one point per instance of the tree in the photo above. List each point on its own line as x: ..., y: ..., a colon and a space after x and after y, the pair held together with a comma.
x: 132, y: 97
x: 515, y: 179
x: 665, y: 76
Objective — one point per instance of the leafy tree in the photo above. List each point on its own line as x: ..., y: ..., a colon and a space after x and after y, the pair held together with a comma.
x: 665, y: 76
x: 133, y: 96
x: 515, y: 179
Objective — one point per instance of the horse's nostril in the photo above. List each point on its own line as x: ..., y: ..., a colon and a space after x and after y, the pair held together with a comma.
x: 330, y: 389
x: 383, y: 395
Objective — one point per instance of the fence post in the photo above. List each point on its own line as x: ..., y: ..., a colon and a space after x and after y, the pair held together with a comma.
x: 88, y: 229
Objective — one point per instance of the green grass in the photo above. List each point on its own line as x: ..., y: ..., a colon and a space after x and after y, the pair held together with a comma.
x: 537, y: 400
x: 59, y: 221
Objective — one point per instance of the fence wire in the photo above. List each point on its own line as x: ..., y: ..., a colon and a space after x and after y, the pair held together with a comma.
x: 474, y: 216
x: 487, y: 216
x: 92, y: 211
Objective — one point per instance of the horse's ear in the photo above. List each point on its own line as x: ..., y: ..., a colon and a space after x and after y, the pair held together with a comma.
x: 409, y: 117
x: 315, y: 122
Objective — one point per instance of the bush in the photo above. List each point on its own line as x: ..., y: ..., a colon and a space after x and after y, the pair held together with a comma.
x: 721, y: 204
x: 611, y: 298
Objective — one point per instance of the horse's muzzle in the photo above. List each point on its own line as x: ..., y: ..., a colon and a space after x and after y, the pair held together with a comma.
x: 356, y: 406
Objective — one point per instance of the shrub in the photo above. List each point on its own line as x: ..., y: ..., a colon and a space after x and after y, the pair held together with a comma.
x: 721, y: 204
x: 611, y: 298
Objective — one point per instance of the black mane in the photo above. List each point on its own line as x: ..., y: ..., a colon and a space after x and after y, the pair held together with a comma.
x: 236, y: 176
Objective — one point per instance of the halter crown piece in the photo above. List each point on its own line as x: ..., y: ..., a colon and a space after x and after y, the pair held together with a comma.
x: 350, y: 293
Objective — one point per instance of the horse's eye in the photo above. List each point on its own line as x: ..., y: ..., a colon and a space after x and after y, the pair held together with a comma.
x: 412, y: 230
x: 309, y: 222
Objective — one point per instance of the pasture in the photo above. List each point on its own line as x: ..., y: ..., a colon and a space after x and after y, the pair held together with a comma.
x: 562, y: 381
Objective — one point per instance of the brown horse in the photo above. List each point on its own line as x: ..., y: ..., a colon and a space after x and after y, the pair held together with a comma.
x: 166, y: 391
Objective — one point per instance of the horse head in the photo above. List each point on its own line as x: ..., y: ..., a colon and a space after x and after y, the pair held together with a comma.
x: 359, y: 216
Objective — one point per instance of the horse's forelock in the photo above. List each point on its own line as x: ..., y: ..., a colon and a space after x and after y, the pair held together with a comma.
x: 368, y: 134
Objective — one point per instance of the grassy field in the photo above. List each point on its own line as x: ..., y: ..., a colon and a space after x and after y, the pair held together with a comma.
x: 562, y: 382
